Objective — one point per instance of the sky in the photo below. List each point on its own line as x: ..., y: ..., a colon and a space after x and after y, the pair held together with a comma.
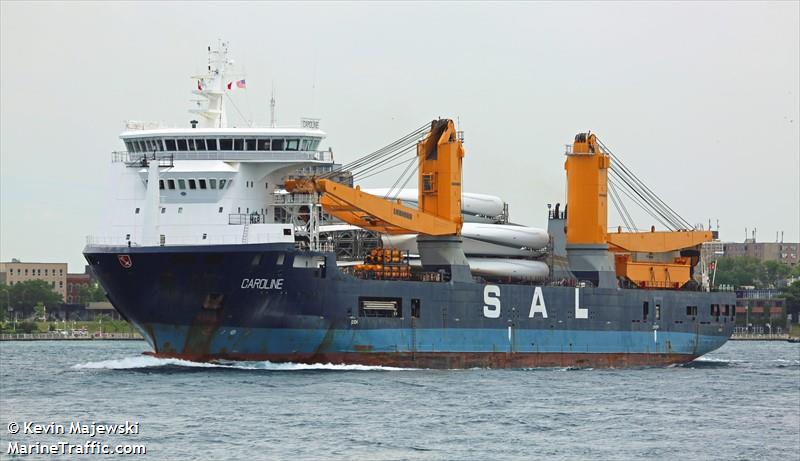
x: 701, y: 100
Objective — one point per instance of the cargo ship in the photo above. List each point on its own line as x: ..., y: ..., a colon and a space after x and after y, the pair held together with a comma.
x: 446, y: 283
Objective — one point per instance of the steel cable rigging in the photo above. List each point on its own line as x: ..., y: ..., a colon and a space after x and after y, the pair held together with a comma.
x: 395, y: 154
x: 623, y: 180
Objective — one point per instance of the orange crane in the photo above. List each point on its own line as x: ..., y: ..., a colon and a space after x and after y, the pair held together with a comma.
x: 648, y: 259
x: 439, y: 159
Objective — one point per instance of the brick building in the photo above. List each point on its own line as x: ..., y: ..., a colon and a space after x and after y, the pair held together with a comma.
x: 786, y: 253
x: 74, y: 284
x: 54, y: 274
x: 757, y: 308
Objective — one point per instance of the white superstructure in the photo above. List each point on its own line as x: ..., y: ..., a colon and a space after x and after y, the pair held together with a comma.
x: 209, y: 183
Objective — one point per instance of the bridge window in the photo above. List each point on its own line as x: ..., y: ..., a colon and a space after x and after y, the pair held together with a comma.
x: 263, y: 144
x: 250, y: 144
x: 292, y: 144
x: 238, y: 144
x: 200, y: 144
x: 171, y: 184
x: 226, y: 144
x: 645, y: 310
x: 190, y: 143
x: 658, y: 311
x: 159, y: 144
x: 169, y: 144
x: 212, y: 183
x: 181, y: 184
x: 161, y: 184
x: 136, y: 211
x: 691, y: 310
x: 211, y: 144
x: 277, y: 144
x: 182, y: 144
x: 202, y: 183
x: 192, y: 184
x: 222, y: 184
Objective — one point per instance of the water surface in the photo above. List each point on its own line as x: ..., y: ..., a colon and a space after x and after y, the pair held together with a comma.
x: 740, y: 402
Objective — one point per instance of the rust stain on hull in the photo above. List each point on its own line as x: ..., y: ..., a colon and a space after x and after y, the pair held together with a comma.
x: 445, y: 360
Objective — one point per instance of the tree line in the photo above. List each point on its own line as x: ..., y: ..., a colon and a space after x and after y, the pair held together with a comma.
x: 24, y: 297
x: 747, y: 271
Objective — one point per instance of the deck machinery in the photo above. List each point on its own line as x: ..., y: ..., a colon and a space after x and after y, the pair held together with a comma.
x: 662, y: 259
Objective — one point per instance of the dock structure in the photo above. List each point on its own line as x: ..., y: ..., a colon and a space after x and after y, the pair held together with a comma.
x: 62, y: 337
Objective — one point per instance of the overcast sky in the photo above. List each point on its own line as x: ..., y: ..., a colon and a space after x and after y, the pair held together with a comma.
x: 699, y: 99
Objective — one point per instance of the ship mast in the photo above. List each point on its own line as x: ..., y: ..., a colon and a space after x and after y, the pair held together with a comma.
x: 272, y: 108
x: 211, y: 87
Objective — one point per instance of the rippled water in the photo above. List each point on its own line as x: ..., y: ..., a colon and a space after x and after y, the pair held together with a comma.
x: 740, y: 402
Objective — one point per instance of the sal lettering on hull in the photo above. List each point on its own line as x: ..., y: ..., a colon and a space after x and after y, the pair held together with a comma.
x: 492, y: 306
x: 491, y: 301
x: 580, y: 312
x: 537, y: 304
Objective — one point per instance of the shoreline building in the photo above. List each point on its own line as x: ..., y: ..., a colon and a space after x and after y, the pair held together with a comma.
x: 55, y: 274
x: 74, y: 284
x: 785, y: 252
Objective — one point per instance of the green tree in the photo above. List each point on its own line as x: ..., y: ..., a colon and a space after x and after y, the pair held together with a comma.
x: 41, y: 311
x: 24, y: 295
x: 792, y: 295
x: 776, y: 272
x: 739, y: 271
x: 91, y: 293
x: 5, y: 298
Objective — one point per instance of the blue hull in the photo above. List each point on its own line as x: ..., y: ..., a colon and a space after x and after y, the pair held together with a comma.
x: 271, y: 302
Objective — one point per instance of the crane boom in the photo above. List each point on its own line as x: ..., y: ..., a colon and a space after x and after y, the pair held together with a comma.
x: 657, y: 242
x: 439, y: 156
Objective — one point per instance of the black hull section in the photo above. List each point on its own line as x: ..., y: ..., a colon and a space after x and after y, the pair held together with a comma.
x: 272, y: 302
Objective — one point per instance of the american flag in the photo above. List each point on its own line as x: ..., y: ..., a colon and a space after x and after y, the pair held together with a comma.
x: 236, y: 84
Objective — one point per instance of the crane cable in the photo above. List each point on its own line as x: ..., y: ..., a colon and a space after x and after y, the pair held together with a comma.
x: 619, y: 206
x: 669, y: 217
x: 379, y: 157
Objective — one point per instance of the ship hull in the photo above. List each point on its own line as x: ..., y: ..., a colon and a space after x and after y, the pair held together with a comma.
x: 271, y: 302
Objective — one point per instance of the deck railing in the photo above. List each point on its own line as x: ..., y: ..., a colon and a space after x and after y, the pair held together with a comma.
x: 135, y: 158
